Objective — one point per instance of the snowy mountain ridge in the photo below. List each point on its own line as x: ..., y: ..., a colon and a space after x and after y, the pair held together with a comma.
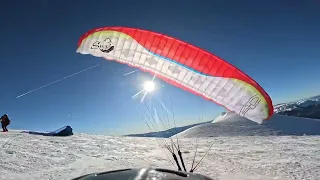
x: 230, y: 124
x: 165, y: 133
x: 307, y: 108
x: 303, y: 103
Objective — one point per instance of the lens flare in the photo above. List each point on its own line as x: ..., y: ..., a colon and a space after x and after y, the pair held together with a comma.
x: 149, y: 86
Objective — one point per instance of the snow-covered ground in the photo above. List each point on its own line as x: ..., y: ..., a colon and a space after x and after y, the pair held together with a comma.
x: 25, y: 156
x: 231, y: 124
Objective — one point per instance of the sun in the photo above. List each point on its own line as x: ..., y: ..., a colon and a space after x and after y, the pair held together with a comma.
x: 149, y: 86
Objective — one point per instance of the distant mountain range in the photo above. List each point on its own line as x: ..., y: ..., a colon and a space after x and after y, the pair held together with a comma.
x: 166, y: 133
x: 307, y: 108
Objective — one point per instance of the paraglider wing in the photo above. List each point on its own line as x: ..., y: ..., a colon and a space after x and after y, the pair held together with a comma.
x: 181, y: 64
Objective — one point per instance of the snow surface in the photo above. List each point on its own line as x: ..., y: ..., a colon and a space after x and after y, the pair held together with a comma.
x: 25, y: 156
x: 231, y: 124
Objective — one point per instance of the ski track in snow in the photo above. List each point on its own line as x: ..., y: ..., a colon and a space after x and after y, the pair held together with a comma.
x: 25, y: 156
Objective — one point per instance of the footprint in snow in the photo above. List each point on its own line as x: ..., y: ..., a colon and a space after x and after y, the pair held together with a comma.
x: 97, y: 156
x: 9, y: 152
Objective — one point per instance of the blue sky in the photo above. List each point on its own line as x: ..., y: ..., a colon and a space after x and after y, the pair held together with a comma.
x: 274, y: 41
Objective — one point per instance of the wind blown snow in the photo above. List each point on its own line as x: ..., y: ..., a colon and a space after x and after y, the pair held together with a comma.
x: 26, y: 156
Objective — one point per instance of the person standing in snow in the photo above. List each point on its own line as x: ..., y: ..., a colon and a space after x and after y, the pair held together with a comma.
x: 5, y: 122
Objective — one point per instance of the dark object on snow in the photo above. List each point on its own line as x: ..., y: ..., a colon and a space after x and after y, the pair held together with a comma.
x: 5, y: 121
x: 144, y: 174
x: 64, y: 131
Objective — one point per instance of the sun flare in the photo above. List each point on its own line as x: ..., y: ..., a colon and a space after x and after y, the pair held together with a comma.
x: 149, y: 86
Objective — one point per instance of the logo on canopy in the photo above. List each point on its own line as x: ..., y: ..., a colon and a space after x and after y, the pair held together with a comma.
x: 251, y: 104
x: 105, y: 46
